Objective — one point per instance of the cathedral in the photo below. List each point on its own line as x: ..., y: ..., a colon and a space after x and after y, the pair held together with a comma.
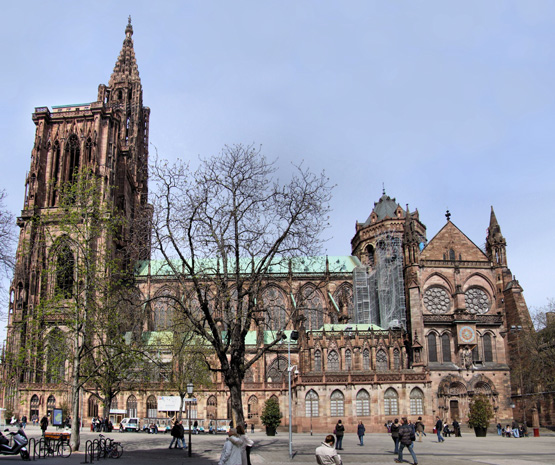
x: 405, y: 325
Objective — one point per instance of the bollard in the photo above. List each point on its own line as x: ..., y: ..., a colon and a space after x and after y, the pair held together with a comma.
x: 536, y: 432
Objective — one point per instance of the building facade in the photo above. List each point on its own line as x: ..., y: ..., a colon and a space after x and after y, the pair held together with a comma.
x: 403, y: 326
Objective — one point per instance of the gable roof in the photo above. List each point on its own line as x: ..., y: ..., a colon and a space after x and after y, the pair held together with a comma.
x: 451, y: 237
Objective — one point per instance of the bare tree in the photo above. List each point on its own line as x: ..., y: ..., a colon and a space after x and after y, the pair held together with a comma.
x: 220, y: 230
x: 7, y: 244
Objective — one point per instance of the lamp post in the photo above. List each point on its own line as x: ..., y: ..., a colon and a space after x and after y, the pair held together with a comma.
x: 190, y: 387
x: 293, y: 336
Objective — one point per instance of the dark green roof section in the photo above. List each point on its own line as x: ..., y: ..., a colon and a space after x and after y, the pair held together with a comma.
x: 300, y: 265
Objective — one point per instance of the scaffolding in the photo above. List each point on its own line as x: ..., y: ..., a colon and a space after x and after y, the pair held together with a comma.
x: 379, y: 289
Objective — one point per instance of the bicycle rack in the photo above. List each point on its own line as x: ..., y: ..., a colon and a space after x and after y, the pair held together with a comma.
x: 89, y: 451
x: 32, y: 442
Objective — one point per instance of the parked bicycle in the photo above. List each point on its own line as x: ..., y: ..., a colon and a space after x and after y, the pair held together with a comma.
x: 110, y: 448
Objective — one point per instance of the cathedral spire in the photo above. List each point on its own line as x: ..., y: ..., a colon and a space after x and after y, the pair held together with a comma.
x: 495, y: 242
x: 126, y: 66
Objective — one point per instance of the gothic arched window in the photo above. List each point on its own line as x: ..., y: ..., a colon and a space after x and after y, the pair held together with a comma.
x: 51, y: 403
x: 151, y: 407
x: 56, y: 354
x: 446, y: 348
x: 277, y: 370
x: 162, y: 308
x: 313, y: 308
x: 65, y: 269
x: 93, y: 406
x: 54, y: 179
x: 396, y: 359
x: 72, y: 155
x: 344, y: 299
x: 381, y: 361
x: 317, y: 360
x: 363, y: 403
x: 212, y: 407
x: 252, y: 408
x: 416, y: 402
x: 391, y: 402
x: 131, y: 407
x: 348, y: 359
x: 337, y: 404
x: 311, y: 404
x: 274, y: 305
x: 333, y: 361
x: 366, y: 359
x: 488, y: 352
x: 432, y: 348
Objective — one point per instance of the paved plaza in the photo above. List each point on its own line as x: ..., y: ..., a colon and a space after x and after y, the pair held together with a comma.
x: 142, y: 449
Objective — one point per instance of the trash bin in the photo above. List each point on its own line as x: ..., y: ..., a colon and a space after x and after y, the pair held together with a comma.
x: 536, y: 432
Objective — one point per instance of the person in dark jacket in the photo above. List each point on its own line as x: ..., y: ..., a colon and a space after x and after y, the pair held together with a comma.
x: 395, y: 434
x: 406, y: 438
x: 360, y: 433
x: 175, y: 432
x: 44, y: 424
x: 339, y: 432
x: 439, y: 427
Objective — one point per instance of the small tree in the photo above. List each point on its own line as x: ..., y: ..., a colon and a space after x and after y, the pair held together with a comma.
x: 480, y: 412
x: 271, y: 416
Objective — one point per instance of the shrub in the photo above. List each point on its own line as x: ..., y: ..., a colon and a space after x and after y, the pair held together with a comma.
x: 480, y: 412
x: 271, y: 416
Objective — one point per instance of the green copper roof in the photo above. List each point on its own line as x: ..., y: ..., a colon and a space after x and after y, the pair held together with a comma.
x: 337, y: 264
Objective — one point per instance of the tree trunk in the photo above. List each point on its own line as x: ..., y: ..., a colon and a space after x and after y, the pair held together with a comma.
x: 236, y: 403
x: 75, y: 389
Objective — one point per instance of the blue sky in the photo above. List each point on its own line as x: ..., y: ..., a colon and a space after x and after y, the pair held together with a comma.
x: 448, y: 104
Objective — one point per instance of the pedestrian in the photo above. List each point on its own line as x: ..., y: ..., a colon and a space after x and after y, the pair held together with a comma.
x: 457, y: 428
x: 406, y: 439
x: 419, y: 429
x: 339, y: 432
x: 439, y: 427
x: 499, y: 429
x: 515, y: 429
x: 248, y: 443
x: 181, y: 435
x: 44, y: 424
x: 232, y: 450
x: 23, y: 421
x: 395, y: 434
x: 326, y: 454
x: 360, y: 433
x: 175, y: 434
x: 252, y: 428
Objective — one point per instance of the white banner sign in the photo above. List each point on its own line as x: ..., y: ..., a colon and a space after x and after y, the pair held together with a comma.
x: 171, y: 403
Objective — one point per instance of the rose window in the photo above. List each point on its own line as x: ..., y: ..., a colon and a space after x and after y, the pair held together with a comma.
x: 476, y: 300
x: 436, y: 300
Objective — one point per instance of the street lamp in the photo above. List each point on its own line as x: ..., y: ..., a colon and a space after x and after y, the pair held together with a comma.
x: 293, y: 336
x: 190, y: 393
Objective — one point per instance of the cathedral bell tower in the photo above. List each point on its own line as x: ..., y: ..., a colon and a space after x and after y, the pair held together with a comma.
x: 108, y: 138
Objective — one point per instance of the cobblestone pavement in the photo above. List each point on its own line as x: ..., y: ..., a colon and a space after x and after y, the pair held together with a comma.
x: 143, y: 449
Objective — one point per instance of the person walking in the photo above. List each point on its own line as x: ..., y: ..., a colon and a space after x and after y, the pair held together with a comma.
x: 232, y: 450
x: 44, y: 424
x: 439, y: 427
x: 360, y: 433
x: 23, y: 421
x: 339, y: 432
x: 457, y: 429
x: 181, y: 435
x: 395, y: 434
x: 515, y: 429
x: 326, y: 454
x: 419, y: 429
x: 248, y: 443
x: 406, y: 439
x: 175, y: 434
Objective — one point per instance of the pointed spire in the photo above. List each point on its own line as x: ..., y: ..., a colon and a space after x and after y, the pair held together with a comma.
x: 126, y: 66
x: 494, y: 231
x: 495, y: 242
